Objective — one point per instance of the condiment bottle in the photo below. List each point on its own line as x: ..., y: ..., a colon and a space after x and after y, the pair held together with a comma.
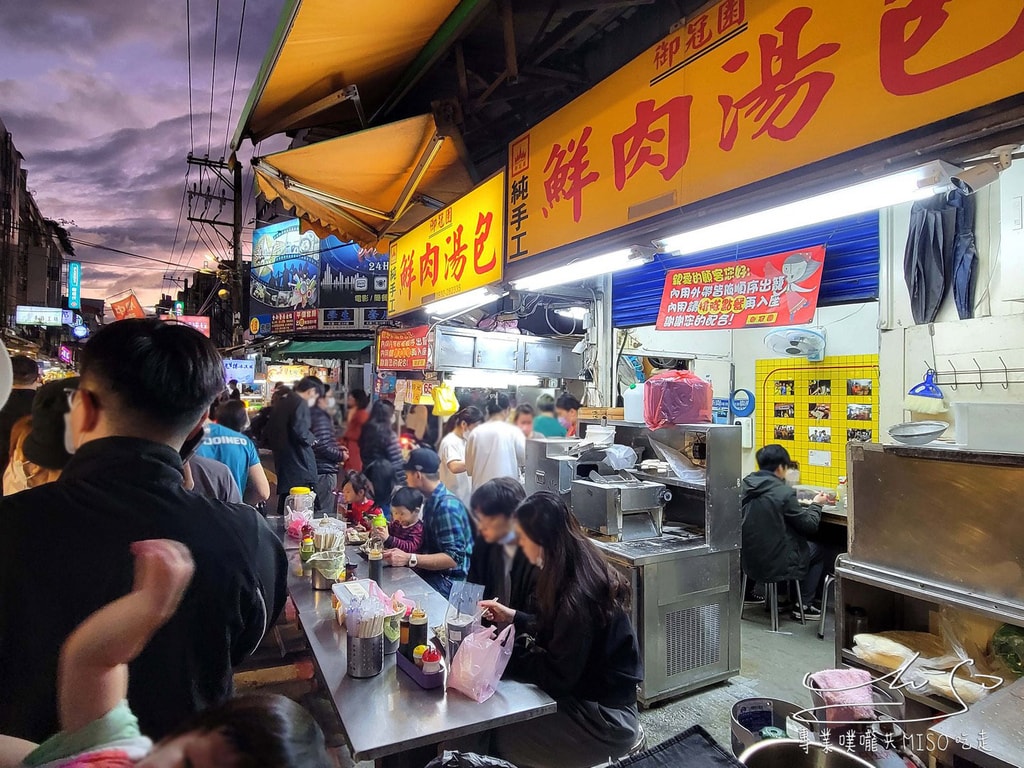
x: 376, y: 562
x: 417, y: 654
x: 431, y: 661
x: 403, y: 636
x: 306, y: 549
x: 417, y: 628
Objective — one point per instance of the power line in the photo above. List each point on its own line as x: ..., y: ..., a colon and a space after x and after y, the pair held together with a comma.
x: 234, y: 78
x: 101, y: 247
x: 213, y: 78
x: 188, y: 45
x: 112, y: 264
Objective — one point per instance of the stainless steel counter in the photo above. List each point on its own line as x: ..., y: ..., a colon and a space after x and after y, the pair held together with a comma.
x: 650, y: 551
x: 389, y: 714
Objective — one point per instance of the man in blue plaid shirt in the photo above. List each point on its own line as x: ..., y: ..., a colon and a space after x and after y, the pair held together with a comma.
x: 447, y: 531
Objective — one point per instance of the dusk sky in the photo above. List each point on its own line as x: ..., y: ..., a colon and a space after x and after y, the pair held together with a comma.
x: 96, y: 96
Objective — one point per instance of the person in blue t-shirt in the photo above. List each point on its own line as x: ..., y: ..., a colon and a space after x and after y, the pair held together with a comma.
x: 225, y: 442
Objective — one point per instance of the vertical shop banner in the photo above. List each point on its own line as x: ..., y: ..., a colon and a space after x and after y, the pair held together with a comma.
x: 406, y: 350
x: 781, y: 289
x: 74, y: 285
x: 458, y: 249
x: 127, y: 307
x: 744, y: 91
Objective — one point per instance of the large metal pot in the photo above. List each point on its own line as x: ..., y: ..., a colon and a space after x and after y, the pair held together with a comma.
x: 790, y: 753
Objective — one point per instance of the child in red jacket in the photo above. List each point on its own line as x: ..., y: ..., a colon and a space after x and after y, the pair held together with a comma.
x: 406, y: 529
x: 357, y: 492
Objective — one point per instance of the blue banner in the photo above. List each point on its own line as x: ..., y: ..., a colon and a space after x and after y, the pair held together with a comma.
x: 74, y: 285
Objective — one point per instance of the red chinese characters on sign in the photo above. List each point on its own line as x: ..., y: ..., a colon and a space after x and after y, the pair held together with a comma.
x: 731, y: 14
x: 782, y: 84
x: 403, y: 350
x: 455, y: 261
x: 665, y: 53
x: 430, y: 262
x: 907, y: 29
x: 699, y: 33
x: 567, y: 174
x: 667, y: 128
x: 482, y: 264
x: 407, y: 274
x: 774, y: 290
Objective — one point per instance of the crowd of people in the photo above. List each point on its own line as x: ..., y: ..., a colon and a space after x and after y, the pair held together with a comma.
x: 149, y: 474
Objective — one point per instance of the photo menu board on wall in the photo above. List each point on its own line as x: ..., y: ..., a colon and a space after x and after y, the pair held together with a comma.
x: 815, y: 409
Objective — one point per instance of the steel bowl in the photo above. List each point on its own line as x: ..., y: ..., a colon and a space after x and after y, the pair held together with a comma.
x: 791, y: 753
x: 917, y: 432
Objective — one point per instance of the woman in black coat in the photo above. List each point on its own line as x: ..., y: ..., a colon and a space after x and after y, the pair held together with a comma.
x: 579, y: 647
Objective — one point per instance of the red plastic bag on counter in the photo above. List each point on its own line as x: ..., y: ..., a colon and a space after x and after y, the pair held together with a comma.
x: 676, y: 397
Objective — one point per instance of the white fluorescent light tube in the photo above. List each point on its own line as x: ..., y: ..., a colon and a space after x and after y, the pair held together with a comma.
x: 461, y: 303
x: 573, y: 313
x: 580, y: 270
x: 907, y: 186
x: 495, y: 379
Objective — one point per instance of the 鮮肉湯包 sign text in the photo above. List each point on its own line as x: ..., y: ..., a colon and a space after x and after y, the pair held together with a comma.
x: 743, y: 91
x: 781, y: 289
x: 458, y: 249
x: 405, y: 350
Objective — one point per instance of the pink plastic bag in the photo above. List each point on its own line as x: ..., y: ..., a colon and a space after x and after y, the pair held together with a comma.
x: 480, y: 662
x: 676, y: 397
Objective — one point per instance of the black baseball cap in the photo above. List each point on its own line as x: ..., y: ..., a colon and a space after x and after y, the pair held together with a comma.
x: 423, y: 460
x: 44, y: 445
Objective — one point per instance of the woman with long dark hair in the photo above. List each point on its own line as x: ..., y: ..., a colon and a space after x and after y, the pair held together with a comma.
x: 381, y: 453
x: 580, y: 646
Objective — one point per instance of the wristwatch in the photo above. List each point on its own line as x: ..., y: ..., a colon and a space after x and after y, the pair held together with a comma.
x: 412, y: 561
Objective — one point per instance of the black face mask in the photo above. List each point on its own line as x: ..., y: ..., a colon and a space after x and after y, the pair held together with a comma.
x: 191, y: 445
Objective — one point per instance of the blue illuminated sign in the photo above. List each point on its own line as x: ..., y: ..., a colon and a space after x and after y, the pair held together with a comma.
x: 74, y: 285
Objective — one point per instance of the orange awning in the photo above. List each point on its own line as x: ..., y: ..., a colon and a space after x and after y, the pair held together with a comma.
x: 368, y: 185
x: 325, y: 52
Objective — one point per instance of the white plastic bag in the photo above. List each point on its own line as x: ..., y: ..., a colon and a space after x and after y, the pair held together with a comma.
x: 480, y: 662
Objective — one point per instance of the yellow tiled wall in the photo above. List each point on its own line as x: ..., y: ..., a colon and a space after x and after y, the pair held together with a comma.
x: 792, y: 399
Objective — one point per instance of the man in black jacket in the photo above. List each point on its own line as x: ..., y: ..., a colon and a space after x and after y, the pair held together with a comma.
x: 290, y: 437
x: 65, y: 547
x: 776, y: 528
x: 497, y: 561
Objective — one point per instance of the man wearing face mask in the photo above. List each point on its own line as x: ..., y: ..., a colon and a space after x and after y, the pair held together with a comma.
x: 497, y: 561
x: 290, y: 436
x: 328, y: 453
x: 144, y: 392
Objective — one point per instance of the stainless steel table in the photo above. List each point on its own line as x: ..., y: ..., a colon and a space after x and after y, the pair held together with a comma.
x: 389, y: 714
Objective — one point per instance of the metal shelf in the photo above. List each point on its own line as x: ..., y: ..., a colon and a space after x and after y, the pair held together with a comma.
x: 938, y: 703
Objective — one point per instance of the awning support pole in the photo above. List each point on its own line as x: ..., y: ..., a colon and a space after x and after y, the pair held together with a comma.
x: 282, y: 122
x: 422, y: 165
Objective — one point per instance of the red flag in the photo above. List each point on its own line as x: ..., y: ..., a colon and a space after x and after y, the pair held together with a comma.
x: 129, y: 306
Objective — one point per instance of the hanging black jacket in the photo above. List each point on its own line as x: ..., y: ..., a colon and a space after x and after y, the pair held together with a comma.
x: 65, y: 552
x: 290, y: 437
x: 487, y: 567
x: 775, y: 529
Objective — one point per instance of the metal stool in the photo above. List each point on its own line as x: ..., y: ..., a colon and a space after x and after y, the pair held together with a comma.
x: 830, y: 581
x: 772, y: 596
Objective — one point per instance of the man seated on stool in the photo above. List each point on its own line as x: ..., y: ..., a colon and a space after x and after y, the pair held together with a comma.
x: 776, y: 529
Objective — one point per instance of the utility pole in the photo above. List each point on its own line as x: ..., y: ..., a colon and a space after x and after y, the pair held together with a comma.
x: 237, y: 298
x: 200, y: 201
